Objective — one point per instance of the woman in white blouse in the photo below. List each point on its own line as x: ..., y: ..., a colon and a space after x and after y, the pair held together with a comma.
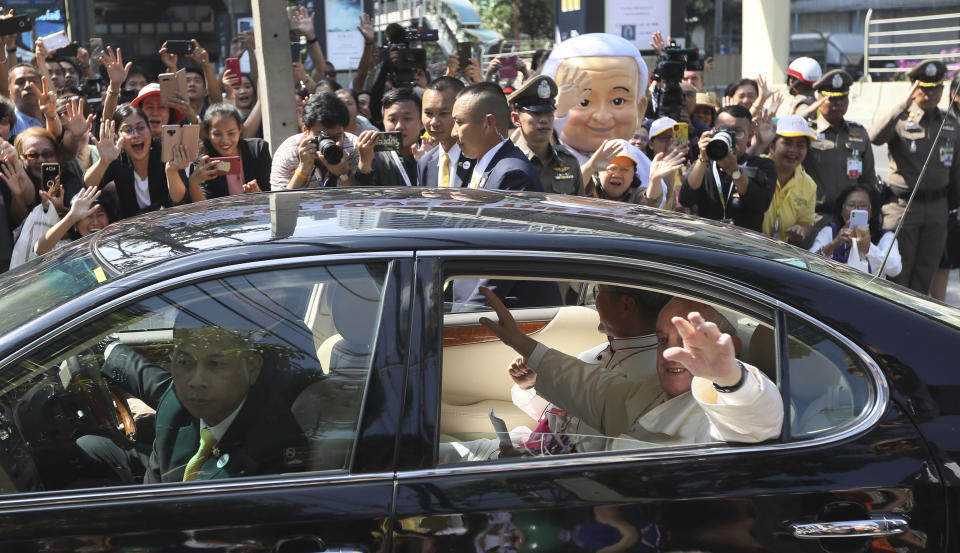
x: 862, y: 249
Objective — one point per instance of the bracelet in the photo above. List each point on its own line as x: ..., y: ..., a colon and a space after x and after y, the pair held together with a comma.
x: 113, y: 92
x: 738, y: 385
x: 301, y: 175
x: 312, y: 40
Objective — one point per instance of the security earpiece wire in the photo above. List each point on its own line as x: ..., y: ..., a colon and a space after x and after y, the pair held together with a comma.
x: 916, y: 186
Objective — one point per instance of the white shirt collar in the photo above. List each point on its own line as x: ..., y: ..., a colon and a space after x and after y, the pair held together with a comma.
x: 220, y: 429
x: 481, y: 165
x: 634, y: 342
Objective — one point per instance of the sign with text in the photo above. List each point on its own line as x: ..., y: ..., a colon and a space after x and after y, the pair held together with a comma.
x: 343, y: 38
x: 637, y: 20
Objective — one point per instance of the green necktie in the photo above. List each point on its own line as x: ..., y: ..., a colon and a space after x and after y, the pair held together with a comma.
x: 207, y: 441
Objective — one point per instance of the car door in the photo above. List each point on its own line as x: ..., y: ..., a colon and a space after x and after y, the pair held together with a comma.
x: 306, y: 463
x: 849, y: 472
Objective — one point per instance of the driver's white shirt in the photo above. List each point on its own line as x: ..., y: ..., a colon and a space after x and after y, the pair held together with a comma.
x: 220, y: 429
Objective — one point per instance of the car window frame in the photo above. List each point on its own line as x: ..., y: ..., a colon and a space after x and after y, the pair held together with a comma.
x: 665, y: 277
x: 80, y: 315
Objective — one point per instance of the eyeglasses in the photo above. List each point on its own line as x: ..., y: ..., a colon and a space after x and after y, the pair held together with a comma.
x: 46, y: 154
x: 139, y: 129
x: 859, y: 205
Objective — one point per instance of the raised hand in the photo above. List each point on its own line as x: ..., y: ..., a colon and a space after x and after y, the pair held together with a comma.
x: 199, y: 54
x: 453, y: 64
x: 665, y: 164
x: 606, y: 152
x: 301, y: 20
x: 573, y: 87
x: 237, y: 46
x: 17, y: 179
x: 250, y: 40
x: 180, y: 160
x: 473, y: 72
x: 762, y: 86
x: 506, y: 327
x: 765, y: 127
x: 108, y: 145
x: 657, y: 42
x: 74, y: 121
x: 169, y: 59
x: 706, y: 352
x: 113, y: 63
x: 82, y: 204
x: 9, y: 41
x: 46, y: 97
x: 426, y: 144
x: 805, y: 110
x: 206, y: 169
x: 299, y: 71
x: 366, y: 28
x: 251, y: 187
x: 365, y: 143
x: 229, y: 81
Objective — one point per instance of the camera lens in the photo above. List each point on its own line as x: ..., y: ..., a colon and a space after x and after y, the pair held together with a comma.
x: 720, y: 144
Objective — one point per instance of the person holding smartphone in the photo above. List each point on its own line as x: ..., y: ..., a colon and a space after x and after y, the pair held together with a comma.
x: 855, y: 236
x: 223, y: 126
x: 131, y: 159
x: 36, y: 147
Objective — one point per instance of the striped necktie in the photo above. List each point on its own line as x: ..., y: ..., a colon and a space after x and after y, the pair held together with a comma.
x: 207, y: 442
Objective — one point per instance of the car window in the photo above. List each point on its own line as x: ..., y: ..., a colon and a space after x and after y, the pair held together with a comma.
x: 244, y: 375
x: 592, y: 393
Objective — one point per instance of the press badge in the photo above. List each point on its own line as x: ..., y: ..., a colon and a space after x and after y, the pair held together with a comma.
x: 854, y: 167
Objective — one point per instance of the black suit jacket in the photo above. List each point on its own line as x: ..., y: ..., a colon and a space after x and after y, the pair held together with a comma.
x: 385, y: 171
x: 428, y: 169
x: 120, y: 171
x: 509, y: 169
x: 256, y: 160
x: 746, y: 212
x: 255, y: 443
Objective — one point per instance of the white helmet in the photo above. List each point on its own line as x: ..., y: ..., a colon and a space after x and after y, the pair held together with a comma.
x: 806, y: 69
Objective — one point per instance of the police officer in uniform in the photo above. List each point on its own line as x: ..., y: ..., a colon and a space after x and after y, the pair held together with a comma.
x: 910, y: 131
x: 842, y: 155
x: 533, y: 106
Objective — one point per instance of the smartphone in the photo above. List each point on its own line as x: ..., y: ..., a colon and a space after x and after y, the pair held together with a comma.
x: 233, y: 66
x: 296, y: 51
x: 508, y: 67
x: 171, y: 135
x: 168, y: 86
x: 96, y: 46
x: 387, y: 142
x: 55, y: 41
x: 69, y: 51
x: 190, y: 138
x: 50, y: 176
x: 859, y: 219
x: 232, y: 167
x: 464, y: 52
x: 180, y: 46
x: 681, y: 132
x: 16, y: 25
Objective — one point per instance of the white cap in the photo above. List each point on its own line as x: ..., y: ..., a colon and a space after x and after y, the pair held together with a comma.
x: 627, y: 151
x: 806, y: 69
x: 599, y: 45
x: 794, y: 125
x: 661, y: 125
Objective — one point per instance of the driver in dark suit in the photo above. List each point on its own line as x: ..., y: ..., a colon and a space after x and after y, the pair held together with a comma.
x: 219, y: 414
x: 480, y: 124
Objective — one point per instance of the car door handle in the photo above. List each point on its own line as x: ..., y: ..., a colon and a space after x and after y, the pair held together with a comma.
x: 876, y: 526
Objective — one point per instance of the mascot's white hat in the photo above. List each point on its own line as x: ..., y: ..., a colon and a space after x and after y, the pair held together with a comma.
x: 599, y: 45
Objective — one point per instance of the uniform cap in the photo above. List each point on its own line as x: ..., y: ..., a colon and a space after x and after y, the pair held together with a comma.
x: 661, y: 125
x: 794, y: 125
x: 928, y: 72
x: 537, y: 94
x: 835, y: 82
x: 806, y: 69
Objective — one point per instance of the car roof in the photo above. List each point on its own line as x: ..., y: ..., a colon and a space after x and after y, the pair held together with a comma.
x: 372, y: 219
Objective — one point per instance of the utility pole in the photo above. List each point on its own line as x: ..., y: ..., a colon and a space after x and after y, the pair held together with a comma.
x: 275, y: 86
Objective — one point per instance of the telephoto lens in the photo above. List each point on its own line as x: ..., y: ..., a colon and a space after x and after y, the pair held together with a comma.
x: 721, y: 143
x: 328, y: 148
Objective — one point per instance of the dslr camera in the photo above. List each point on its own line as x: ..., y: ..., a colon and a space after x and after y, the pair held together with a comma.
x: 668, y: 74
x: 328, y: 148
x: 722, y: 142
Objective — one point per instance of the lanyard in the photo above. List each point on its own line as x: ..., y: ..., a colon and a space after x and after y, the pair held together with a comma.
x: 716, y: 178
x: 401, y: 167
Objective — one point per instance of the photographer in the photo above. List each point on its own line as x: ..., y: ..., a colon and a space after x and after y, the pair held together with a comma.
x: 735, y: 187
x: 309, y: 159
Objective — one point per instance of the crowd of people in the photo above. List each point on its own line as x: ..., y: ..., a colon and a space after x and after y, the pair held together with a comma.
x: 579, y: 119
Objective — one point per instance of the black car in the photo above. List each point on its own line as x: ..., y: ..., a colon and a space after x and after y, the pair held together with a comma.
x: 329, y: 342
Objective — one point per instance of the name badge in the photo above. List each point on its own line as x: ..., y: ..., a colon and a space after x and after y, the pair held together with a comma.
x: 854, y: 167
x: 946, y: 156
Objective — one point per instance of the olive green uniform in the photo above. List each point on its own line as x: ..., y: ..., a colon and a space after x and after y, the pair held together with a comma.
x: 559, y: 173
x: 840, y: 157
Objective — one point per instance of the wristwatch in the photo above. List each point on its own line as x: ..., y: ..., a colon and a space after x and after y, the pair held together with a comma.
x: 344, y: 177
x: 738, y: 385
x: 736, y: 174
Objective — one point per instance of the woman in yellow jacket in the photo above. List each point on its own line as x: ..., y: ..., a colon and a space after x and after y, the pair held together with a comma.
x: 790, y: 215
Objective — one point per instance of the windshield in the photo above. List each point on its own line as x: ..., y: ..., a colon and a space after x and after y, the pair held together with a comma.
x: 46, y: 282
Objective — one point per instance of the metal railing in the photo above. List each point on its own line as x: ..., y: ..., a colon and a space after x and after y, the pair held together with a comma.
x: 893, y: 32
